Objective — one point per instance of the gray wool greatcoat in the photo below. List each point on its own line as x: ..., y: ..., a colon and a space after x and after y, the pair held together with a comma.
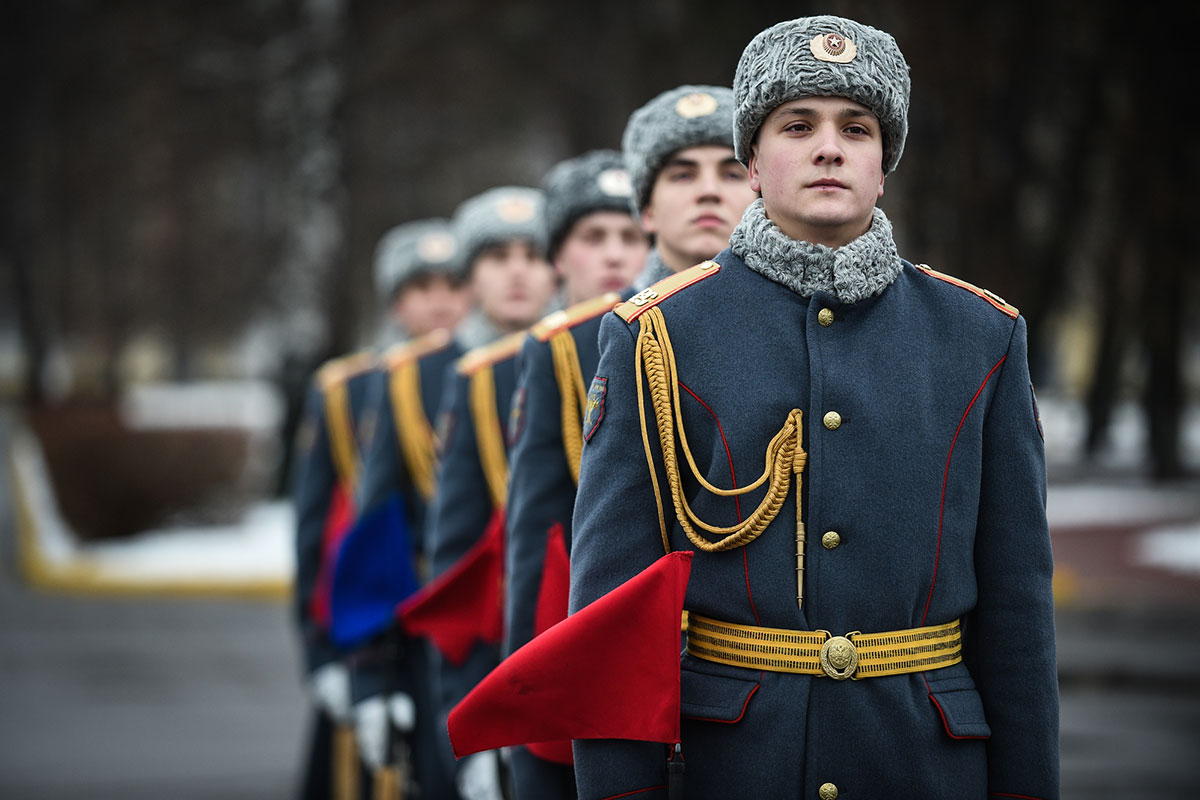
x: 935, y: 482
x: 541, y: 494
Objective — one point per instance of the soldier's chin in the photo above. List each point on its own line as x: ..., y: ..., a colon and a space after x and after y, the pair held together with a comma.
x: 518, y: 315
x: 707, y: 243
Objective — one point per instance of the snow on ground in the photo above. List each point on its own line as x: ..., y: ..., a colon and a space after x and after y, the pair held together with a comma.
x: 254, y: 552
x: 255, y: 405
x: 1107, y: 504
x: 259, y: 547
x: 1173, y: 548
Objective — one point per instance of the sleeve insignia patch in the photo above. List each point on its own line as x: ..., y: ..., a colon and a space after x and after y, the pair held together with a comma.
x: 593, y: 412
x: 516, y: 416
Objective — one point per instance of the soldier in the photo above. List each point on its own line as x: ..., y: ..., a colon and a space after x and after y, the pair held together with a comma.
x: 325, y: 473
x: 390, y: 682
x: 325, y: 481
x: 902, y: 398
x: 680, y: 147
x: 502, y: 243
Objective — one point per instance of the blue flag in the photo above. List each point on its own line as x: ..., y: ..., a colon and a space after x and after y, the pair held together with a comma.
x: 373, y: 574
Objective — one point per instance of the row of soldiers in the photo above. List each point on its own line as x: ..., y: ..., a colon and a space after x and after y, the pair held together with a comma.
x: 537, y: 443
x: 472, y: 424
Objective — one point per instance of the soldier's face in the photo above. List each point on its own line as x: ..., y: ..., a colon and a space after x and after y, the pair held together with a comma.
x: 603, y: 252
x: 818, y: 163
x: 512, y: 283
x: 697, y: 200
x: 429, y: 303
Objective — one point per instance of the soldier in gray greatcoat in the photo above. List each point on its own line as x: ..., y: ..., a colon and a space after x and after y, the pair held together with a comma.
x: 897, y: 536
x: 679, y: 145
x: 502, y: 247
x: 395, y: 715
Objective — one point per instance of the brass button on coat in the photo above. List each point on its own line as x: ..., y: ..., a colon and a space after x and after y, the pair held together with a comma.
x: 825, y: 317
x: 831, y: 539
x: 827, y: 791
x: 833, y: 420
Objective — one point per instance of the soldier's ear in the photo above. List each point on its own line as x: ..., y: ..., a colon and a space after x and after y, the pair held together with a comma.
x: 648, y: 223
x: 752, y: 168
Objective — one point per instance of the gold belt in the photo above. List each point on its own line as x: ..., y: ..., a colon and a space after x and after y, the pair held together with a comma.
x: 855, y: 655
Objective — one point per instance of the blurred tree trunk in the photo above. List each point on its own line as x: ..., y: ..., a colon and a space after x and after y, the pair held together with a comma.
x: 18, y: 126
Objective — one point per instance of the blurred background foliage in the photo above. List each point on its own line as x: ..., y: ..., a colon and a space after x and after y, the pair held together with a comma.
x: 193, y: 190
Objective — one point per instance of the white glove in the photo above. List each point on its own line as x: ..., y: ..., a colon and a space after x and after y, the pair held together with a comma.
x: 479, y: 777
x: 371, y: 730
x: 404, y: 712
x: 330, y: 688
x: 371, y: 725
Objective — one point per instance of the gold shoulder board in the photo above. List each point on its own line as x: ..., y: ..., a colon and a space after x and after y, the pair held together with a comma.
x: 648, y: 298
x: 342, y: 369
x: 993, y: 298
x: 416, y: 348
x: 576, y: 314
x: 480, y: 357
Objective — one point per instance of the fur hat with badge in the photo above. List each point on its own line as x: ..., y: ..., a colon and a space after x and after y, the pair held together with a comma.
x: 594, y: 181
x: 498, y: 215
x: 822, y: 56
x: 687, y: 116
x: 423, y: 247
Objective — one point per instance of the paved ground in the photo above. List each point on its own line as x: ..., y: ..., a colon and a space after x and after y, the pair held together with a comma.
x: 104, y: 697
x: 142, y: 698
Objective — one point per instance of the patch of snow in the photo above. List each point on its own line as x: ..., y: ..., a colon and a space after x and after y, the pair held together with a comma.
x: 255, y: 405
x: 256, y: 548
x: 1118, y: 504
x: 1174, y: 548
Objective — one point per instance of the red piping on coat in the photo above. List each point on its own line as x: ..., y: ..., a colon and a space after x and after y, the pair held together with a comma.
x: 736, y: 500
x: 945, y: 480
x: 739, y: 716
x: 635, y: 791
x: 945, y: 723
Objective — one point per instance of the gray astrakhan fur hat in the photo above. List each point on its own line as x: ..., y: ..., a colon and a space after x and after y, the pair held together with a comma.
x: 422, y: 247
x: 498, y: 215
x: 687, y: 116
x: 823, y: 56
x: 594, y: 181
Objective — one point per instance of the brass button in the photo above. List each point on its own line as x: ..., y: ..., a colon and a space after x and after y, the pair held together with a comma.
x: 825, y: 317
x: 833, y: 420
x: 831, y: 539
x: 827, y: 791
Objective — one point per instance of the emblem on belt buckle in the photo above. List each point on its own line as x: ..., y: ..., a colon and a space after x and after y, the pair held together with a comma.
x: 839, y: 658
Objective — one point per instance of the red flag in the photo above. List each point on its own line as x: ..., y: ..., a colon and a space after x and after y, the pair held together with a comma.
x: 609, y: 671
x: 556, y: 583
x: 338, y: 520
x: 552, y: 609
x: 464, y: 604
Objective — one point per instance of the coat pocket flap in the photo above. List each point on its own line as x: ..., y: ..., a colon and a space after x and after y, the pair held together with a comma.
x: 715, y: 698
x: 962, y: 713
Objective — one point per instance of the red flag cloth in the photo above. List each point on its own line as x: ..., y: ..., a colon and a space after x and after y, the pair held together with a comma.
x: 552, y: 609
x: 464, y: 604
x: 338, y: 520
x: 609, y: 671
x: 556, y: 583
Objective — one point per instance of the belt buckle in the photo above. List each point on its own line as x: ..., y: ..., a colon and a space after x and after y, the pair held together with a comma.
x: 839, y: 656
